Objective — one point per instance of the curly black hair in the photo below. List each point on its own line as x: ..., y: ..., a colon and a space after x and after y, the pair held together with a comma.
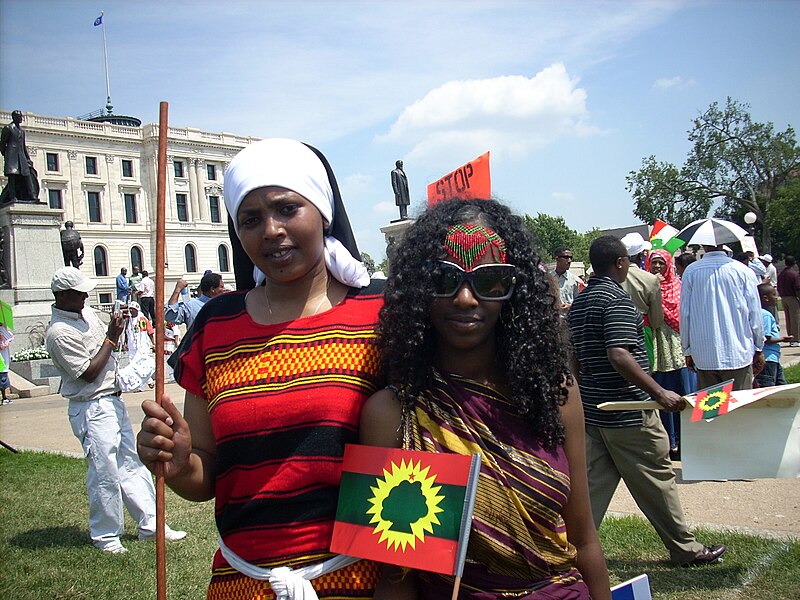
x: 531, y: 344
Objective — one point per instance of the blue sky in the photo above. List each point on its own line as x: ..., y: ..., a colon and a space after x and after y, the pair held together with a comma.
x: 568, y: 96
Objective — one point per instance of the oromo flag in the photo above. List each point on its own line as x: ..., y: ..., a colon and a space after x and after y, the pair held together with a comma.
x: 712, y: 401
x: 405, y: 507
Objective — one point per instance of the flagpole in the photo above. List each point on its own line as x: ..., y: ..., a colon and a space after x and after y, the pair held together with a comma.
x: 161, y: 192
x: 456, y: 586
x: 105, y: 62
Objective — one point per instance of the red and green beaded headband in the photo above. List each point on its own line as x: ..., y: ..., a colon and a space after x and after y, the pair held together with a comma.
x: 469, y: 243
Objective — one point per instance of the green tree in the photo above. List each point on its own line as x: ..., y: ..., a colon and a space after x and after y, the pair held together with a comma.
x: 783, y: 218
x: 550, y: 233
x: 735, y: 164
x: 580, y: 249
x: 369, y: 262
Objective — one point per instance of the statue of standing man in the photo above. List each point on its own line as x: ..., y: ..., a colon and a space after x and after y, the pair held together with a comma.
x: 400, y: 187
x: 71, y: 246
x: 22, y: 185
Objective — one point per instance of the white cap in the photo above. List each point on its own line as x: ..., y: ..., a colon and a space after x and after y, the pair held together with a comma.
x: 766, y: 257
x: 70, y: 278
x: 635, y: 243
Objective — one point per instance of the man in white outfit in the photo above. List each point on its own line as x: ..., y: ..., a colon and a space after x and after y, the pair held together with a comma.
x: 80, y: 347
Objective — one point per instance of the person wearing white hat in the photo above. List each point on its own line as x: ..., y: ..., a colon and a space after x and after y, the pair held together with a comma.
x: 80, y: 347
x: 644, y: 289
x: 772, y: 273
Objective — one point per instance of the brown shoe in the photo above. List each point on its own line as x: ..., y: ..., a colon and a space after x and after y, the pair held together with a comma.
x: 708, y: 555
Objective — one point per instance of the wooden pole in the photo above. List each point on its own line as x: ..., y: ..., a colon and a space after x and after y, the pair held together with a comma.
x: 456, y: 586
x: 161, y: 554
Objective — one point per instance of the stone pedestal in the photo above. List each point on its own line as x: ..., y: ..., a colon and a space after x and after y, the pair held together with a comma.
x: 393, y: 233
x: 32, y: 254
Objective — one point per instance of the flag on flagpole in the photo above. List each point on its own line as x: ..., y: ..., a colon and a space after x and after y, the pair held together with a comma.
x: 712, y: 401
x: 407, y: 508
x: 663, y: 236
x: 99, y: 20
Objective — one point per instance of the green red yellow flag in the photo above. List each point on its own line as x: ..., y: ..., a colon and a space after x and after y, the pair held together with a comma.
x: 663, y: 236
x: 712, y: 401
x: 407, y: 508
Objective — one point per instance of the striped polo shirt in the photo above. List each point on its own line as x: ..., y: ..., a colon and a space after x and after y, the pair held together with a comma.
x: 603, y: 316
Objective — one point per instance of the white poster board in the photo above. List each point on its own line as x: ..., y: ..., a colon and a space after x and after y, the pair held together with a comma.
x: 760, y: 440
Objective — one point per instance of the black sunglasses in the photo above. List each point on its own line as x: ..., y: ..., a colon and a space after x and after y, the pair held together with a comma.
x: 494, y: 282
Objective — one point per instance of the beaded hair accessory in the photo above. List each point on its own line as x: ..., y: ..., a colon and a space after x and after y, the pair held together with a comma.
x: 468, y: 243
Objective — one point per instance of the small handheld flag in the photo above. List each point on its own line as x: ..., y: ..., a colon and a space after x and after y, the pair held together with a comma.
x: 663, y: 236
x: 712, y: 401
x: 407, y: 508
x: 98, y: 21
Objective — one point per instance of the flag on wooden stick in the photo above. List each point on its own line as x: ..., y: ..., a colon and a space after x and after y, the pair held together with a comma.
x: 407, y: 508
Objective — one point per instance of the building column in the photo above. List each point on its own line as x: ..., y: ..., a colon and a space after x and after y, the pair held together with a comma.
x: 191, y: 163
x: 201, y: 194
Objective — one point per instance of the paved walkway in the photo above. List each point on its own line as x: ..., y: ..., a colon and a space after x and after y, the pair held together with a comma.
x: 769, y: 507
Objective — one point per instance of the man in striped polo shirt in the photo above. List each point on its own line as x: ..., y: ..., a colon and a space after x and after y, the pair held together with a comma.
x: 631, y: 445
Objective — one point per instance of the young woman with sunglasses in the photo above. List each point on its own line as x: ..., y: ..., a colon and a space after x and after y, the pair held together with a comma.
x: 472, y: 342
x: 276, y: 375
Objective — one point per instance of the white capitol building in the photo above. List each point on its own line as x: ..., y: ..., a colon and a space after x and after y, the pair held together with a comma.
x: 101, y: 175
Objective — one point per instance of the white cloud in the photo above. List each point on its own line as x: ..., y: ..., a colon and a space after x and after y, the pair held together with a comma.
x: 384, y: 208
x: 676, y: 82
x: 563, y: 196
x: 509, y: 115
x: 355, y: 184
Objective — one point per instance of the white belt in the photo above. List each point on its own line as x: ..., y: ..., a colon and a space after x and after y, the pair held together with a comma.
x: 287, y: 583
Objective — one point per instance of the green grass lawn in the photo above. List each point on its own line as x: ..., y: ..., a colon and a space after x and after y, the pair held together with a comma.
x: 46, y: 554
x: 792, y: 374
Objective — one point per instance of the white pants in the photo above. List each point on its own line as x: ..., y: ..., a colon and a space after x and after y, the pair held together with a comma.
x: 116, y: 474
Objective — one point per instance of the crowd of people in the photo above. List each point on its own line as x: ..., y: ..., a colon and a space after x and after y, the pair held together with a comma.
x: 470, y: 345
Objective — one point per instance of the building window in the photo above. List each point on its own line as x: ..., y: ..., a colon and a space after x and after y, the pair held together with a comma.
x: 178, y: 164
x: 213, y: 204
x: 52, y: 161
x: 222, y: 254
x: 130, y: 208
x: 183, y: 213
x: 105, y: 298
x: 191, y: 259
x: 100, y: 262
x: 91, y: 165
x: 127, y: 168
x: 136, y: 257
x: 54, y: 197
x: 212, y: 172
x: 94, y: 207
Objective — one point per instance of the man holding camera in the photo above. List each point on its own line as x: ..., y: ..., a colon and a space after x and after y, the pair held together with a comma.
x: 81, y: 349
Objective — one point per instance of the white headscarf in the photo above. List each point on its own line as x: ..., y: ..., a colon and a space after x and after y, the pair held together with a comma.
x: 292, y: 165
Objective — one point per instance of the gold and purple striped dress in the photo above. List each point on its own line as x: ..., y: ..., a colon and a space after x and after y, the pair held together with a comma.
x: 518, y: 545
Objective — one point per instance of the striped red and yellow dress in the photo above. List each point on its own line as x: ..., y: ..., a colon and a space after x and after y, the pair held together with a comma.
x: 283, y: 400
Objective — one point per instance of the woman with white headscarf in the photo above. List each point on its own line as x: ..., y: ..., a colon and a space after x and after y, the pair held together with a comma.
x: 276, y: 377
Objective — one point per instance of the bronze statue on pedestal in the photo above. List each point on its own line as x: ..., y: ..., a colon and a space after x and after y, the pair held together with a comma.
x: 23, y: 183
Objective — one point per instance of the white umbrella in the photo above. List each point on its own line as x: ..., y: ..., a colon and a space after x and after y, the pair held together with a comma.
x: 711, y: 232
